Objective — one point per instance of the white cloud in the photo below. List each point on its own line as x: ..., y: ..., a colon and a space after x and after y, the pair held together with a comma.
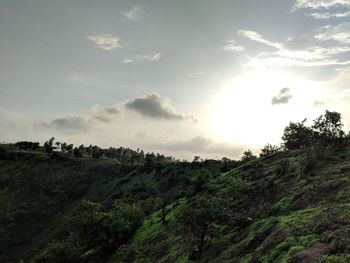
x: 151, y: 57
x: 326, y: 15
x: 127, y: 61
x: 266, y: 60
x: 148, y: 57
x: 252, y: 35
x: 320, y: 4
x: 231, y: 46
x: 340, y: 33
x: 105, y: 41
x: 297, y: 51
x: 135, y: 13
x: 324, y: 9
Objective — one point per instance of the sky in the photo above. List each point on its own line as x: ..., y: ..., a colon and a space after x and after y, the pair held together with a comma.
x: 184, y: 78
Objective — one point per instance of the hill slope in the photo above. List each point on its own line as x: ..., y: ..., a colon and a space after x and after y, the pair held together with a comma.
x: 285, y: 207
x: 278, y: 212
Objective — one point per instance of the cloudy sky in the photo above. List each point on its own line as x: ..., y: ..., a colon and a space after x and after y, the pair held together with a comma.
x: 179, y: 77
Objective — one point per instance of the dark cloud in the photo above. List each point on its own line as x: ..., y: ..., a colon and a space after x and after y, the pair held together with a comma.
x: 112, y: 110
x: 69, y: 123
x: 283, y: 97
x: 102, y: 119
x: 154, y: 106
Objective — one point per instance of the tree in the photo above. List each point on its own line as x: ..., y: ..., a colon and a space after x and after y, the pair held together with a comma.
x: 297, y: 135
x: 150, y: 162
x: 96, y: 152
x: 89, y: 149
x: 269, y: 149
x: 328, y: 127
x: 248, y: 156
x: 199, y: 216
x: 103, y: 231
x: 48, y: 145
x: 26, y: 145
x: 163, y: 190
x: 196, y: 159
x: 63, y: 147
x: 77, y: 152
x: 69, y: 148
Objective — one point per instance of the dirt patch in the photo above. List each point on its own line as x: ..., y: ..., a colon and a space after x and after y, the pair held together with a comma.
x: 326, y: 191
x: 310, y: 255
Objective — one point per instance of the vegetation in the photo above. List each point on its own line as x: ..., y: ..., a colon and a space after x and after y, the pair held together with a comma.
x: 60, y: 203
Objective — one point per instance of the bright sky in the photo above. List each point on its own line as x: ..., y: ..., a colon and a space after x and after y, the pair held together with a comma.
x: 187, y: 77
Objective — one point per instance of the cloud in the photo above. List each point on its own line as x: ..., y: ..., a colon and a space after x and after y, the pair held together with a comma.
x: 78, y: 123
x: 295, y: 52
x: 135, y: 13
x: 327, y: 15
x: 98, y: 109
x: 320, y: 4
x: 148, y: 136
x: 202, y: 145
x: 339, y: 33
x: 105, y: 41
x: 283, y: 97
x: 318, y: 103
x: 323, y: 9
x: 69, y: 123
x: 102, y: 119
x: 264, y: 61
x: 127, y: 61
x: 154, y: 106
x: 252, y: 35
x: 139, y: 58
x: 151, y: 57
x: 231, y: 46
x: 192, y: 74
x: 112, y: 110
x: 298, y: 42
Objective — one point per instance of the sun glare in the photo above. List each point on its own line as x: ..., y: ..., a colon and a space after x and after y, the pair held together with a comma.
x: 244, y: 112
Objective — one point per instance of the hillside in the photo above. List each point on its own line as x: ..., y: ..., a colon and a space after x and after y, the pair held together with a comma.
x: 88, y: 204
x: 275, y: 213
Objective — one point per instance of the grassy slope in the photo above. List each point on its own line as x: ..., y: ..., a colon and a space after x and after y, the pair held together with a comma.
x: 37, y: 193
x: 292, y: 212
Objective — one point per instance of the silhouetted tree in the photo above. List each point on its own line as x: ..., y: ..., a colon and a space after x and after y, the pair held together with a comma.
x: 48, y: 145
x: 269, y: 149
x: 96, y: 152
x: 26, y: 145
x: 297, y: 135
x: 328, y: 127
x: 150, y: 161
x: 77, y: 152
x: 248, y: 156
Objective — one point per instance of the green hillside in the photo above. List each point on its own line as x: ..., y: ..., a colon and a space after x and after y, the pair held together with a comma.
x: 87, y: 204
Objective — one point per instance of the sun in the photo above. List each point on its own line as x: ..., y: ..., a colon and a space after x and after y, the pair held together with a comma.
x: 243, y: 111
